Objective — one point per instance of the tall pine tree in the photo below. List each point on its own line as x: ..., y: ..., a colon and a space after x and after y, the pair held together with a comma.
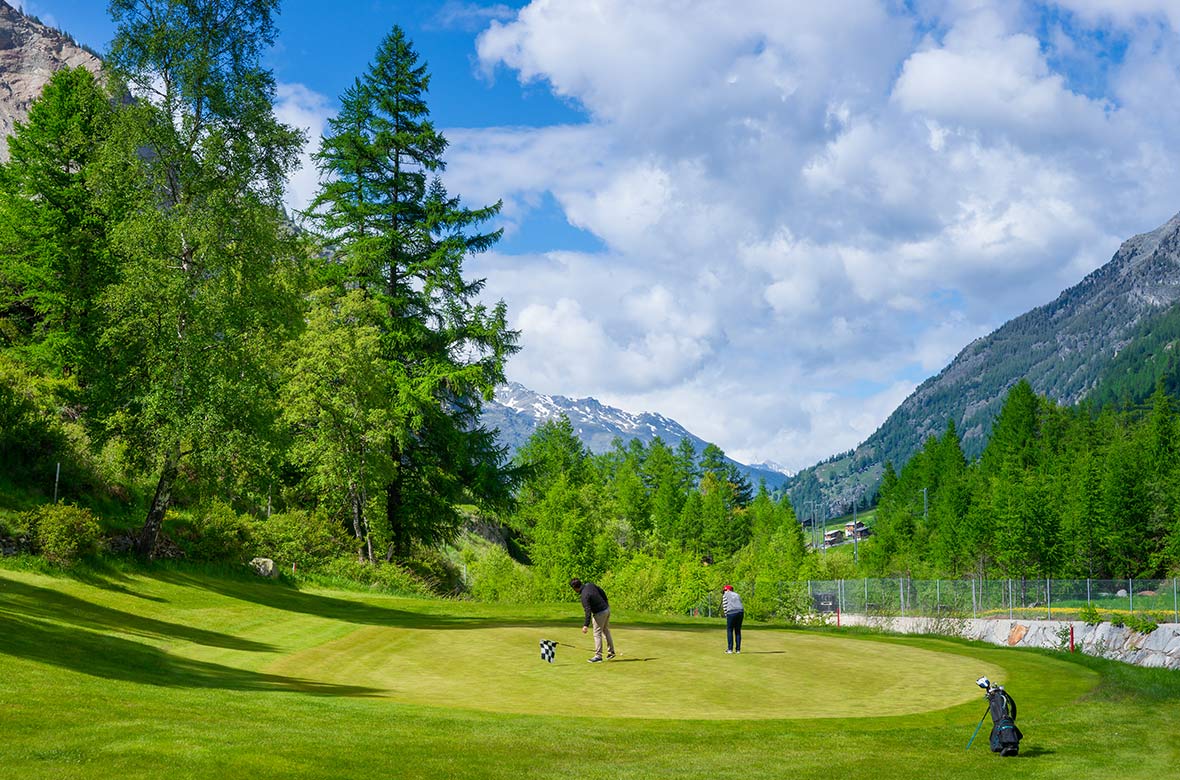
x: 399, y: 238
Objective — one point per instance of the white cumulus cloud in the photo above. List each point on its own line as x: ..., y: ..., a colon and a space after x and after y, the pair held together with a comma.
x: 806, y: 208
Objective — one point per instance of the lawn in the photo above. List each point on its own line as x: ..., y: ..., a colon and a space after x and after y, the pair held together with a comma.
x: 179, y: 674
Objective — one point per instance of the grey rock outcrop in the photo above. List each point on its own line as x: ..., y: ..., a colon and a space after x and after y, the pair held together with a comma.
x: 30, y: 53
x: 264, y: 567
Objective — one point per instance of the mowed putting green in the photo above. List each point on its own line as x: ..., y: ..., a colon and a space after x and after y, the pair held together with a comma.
x: 659, y: 673
x: 475, y: 657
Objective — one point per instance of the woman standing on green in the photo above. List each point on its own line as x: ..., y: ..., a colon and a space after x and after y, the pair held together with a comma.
x: 731, y: 605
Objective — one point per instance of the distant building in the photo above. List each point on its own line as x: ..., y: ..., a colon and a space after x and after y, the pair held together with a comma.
x: 857, y: 530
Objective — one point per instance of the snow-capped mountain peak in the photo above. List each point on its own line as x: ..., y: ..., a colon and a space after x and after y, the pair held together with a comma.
x: 516, y: 411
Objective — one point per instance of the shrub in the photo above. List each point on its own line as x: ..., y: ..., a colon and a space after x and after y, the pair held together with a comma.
x: 1063, y: 634
x: 16, y: 523
x: 306, y: 539
x: 639, y: 583
x: 1144, y: 624
x: 678, y: 583
x: 1117, y: 619
x: 1089, y: 615
x: 435, y: 569
x: 63, y: 533
x: 494, y: 576
x: 387, y: 577
x: 214, y: 532
x: 795, y: 605
x: 30, y: 434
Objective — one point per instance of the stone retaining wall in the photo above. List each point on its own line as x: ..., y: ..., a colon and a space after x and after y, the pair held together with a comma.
x: 1160, y: 648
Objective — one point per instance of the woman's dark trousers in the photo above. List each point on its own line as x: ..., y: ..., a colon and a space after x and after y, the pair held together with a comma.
x: 733, y: 630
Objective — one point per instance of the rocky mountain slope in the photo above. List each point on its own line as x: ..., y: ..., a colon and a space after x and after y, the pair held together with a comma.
x: 1063, y: 348
x: 30, y: 53
x: 517, y: 411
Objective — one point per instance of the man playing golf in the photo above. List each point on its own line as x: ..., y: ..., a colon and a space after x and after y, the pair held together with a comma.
x: 597, y: 610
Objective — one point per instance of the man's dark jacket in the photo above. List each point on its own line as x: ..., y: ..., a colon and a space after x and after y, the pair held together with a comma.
x: 593, y: 600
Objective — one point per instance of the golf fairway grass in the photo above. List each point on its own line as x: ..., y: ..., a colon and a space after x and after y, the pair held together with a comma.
x: 174, y: 674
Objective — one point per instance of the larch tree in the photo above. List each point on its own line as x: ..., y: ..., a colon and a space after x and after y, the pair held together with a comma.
x: 204, y: 297
x: 338, y: 402
x: 399, y: 239
x: 667, y: 491
x: 54, y: 251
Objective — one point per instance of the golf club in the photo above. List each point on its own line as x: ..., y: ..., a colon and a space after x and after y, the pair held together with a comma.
x: 985, y: 712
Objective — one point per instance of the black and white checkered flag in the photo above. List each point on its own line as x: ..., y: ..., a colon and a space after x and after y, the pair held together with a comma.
x: 548, y: 650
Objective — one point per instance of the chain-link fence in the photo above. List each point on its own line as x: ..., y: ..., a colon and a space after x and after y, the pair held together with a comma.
x: 1034, y: 599
x: 1010, y: 598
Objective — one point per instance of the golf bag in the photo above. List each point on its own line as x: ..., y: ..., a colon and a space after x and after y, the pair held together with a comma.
x: 1005, y: 735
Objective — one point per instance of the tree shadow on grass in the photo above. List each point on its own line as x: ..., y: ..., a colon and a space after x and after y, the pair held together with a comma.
x: 101, y: 575
x: 280, y: 596
x: 114, y: 658
x: 22, y: 600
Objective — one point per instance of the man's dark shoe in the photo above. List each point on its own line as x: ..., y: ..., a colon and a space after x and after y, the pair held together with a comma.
x: 610, y: 655
x: 595, y: 660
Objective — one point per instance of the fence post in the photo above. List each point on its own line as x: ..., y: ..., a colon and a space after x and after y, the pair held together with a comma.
x: 867, y: 595
x: 1087, y: 591
x: 974, y: 614
x: 901, y: 593
x: 1049, y: 596
x: 1175, y: 606
x: 1131, y: 593
x: 1010, y: 598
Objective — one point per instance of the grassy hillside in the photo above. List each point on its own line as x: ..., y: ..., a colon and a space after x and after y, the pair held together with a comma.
x: 129, y: 675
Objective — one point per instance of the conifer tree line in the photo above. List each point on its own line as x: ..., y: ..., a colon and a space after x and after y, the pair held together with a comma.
x: 1058, y: 492
x: 165, y: 324
x: 662, y: 525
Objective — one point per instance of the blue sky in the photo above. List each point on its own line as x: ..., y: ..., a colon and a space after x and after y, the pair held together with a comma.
x: 767, y: 219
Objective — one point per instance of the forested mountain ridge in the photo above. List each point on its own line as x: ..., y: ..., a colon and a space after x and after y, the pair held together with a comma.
x: 30, y: 53
x: 1063, y: 349
x: 516, y: 412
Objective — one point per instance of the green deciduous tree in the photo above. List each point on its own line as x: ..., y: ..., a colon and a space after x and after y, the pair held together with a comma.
x: 340, y: 405
x: 202, y: 301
